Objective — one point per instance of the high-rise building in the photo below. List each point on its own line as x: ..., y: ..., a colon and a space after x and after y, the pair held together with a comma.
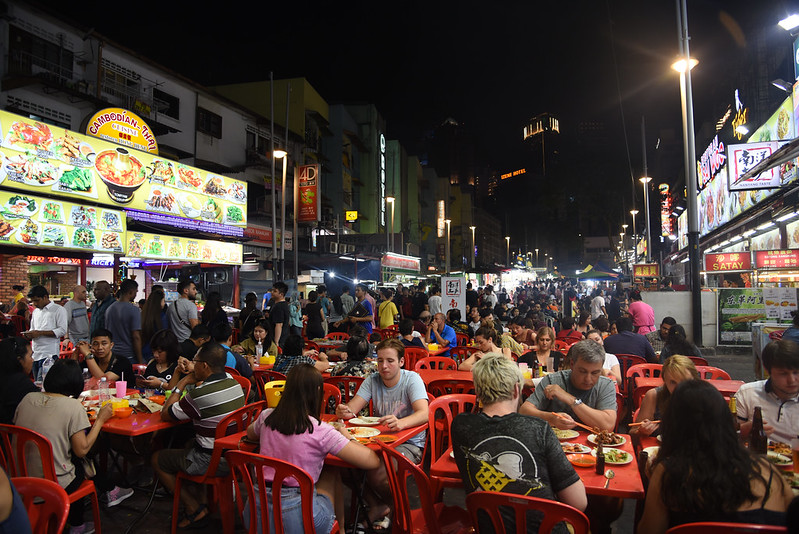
x: 542, y: 135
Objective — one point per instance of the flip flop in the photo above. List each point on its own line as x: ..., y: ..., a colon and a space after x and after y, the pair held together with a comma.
x: 195, y: 523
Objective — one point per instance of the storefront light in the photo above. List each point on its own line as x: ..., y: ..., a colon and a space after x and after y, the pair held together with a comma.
x: 765, y: 225
x: 787, y: 216
x: 789, y: 23
x: 749, y: 232
x: 736, y: 238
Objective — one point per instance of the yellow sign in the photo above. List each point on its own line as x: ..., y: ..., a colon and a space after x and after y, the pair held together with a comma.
x: 351, y: 216
x: 512, y: 174
x: 124, y: 128
x: 161, y: 247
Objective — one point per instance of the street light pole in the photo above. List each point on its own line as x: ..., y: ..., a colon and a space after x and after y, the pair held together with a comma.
x: 507, y: 252
x: 635, y: 237
x: 390, y: 242
x: 448, y: 222
x: 473, y: 228
x: 645, y: 180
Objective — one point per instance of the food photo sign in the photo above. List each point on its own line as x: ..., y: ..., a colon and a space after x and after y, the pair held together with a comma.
x: 37, y: 158
x: 161, y: 247
x: 738, y: 309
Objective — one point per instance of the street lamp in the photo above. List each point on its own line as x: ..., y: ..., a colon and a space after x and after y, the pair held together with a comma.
x: 536, y: 257
x: 507, y: 253
x: 635, y: 237
x: 282, y: 154
x: 645, y: 180
x: 474, y: 252
x: 448, y: 222
x: 390, y: 243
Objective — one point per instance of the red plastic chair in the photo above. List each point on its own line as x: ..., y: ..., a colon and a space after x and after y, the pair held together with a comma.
x: 388, y: 333
x: 642, y: 370
x: 20, y: 324
x: 461, y: 353
x: 340, y: 336
x: 563, y: 345
x: 725, y: 528
x: 446, y: 386
x: 16, y: 443
x: 625, y: 362
x: 484, y: 506
x: 236, y: 421
x: 248, y: 470
x: 245, y: 384
x: 698, y: 360
x: 331, y: 398
x: 311, y: 345
x: 462, y: 339
x: 262, y: 377
x: 46, y: 502
x: 707, y: 372
x: 436, y: 362
x: 414, y: 354
x: 431, y: 517
x: 347, y: 385
x: 139, y: 368
x: 232, y: 371
x: 441, y: 411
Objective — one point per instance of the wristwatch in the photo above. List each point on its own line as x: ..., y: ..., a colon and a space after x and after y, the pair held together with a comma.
x: 89, y: 357
x: 577, y: 401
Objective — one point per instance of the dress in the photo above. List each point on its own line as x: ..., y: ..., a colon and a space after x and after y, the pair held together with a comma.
x: 397, y: 400
x: 314, y: 327
x: 600, y: 397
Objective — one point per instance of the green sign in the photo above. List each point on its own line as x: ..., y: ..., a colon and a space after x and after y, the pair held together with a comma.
x: 738, y: 309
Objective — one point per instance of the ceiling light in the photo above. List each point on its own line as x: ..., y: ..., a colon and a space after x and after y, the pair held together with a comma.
x: 786, y: 217
x: 789, y: 23
x: 765, y: 225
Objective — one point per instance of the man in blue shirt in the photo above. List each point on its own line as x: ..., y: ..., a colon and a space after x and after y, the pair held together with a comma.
x: 442, y: 333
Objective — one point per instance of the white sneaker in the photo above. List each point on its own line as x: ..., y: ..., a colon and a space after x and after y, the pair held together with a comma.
x: 85, y: 528
x: 117, y: 495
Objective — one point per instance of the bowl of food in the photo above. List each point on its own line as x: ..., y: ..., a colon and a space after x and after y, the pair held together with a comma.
x: 121, y: 172
x: 582, y: 460
x: 123, y: 412
x: 158, y: 399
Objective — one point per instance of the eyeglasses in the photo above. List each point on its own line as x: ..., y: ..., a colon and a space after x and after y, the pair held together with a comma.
x: 196, y: 361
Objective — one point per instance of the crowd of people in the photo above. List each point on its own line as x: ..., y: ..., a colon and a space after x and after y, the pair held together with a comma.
x: 559, y: 327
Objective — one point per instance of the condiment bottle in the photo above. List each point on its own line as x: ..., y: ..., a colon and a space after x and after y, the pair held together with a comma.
x: 600, y: 460
x: 758, y: 441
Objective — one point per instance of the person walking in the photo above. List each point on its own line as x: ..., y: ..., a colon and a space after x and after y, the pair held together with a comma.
x: 78, y: 316
x: 123, y: 320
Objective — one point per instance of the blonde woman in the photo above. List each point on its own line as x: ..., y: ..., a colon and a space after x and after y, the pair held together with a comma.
x: 676, y: 369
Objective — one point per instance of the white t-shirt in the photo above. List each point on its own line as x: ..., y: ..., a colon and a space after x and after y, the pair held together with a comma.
x: 610, y: 361
x: 596, y: 307
x: 434, y: 303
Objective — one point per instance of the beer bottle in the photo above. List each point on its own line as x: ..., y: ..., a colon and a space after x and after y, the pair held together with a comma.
x: 734, y: 411
x: 758, y: 441
x: 600, y: 460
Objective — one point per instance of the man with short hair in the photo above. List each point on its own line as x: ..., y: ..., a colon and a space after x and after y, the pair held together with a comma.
x: 48, y: 324
x: 490, y: 298
x: 123, y: 320
x: 205, y: 404
x: 434, y: 300
x: 99, y: 358
x: 399, y: 398
x: 474, y: 319
x: 200, y: 335
x: 657, y: 338
x: 222, y: 333
x: 420, y: 300
x: 628, y: 342
x: 365, y: 312
x: 580, y: 394
x: 598, y: 305
x: 347, y: 302
x: 103, y: 298
x: 471, y: 296
x: 78, y: 316
x: 441, y: 333
x: 778, y: 396
x: 279, y: 313
x: 182, y: 312
x: 498, y: 449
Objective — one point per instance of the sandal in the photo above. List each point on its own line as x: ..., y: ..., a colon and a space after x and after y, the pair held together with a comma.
x: 195, y: 523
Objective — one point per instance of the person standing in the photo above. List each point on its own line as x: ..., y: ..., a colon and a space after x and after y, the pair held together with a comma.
x: 123, y: 320
x: 316, y: 316
x: 327, y: 305
x: 471, y: 296
x: 598, y: 305
x: 347, y: 302
x: 434, y: 301
x: 387, y: 312
x: 249, y: 315
x: 78, y: 316
x: 182, y: 313
x: 363, y: 312
x: 278, y: 313
x: 420, y: 300
x: 48, y: 324
x: 641, y: 313
x: 103, y: 298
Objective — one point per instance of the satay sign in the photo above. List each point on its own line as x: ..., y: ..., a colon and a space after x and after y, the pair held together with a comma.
x: 730, y: 261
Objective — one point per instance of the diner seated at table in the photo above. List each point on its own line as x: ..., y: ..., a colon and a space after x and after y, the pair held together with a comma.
x: 407, y: 335
x: 293, y: 354
x: 611, y: 367
x: 161, y: 373
x: 485, y: 339
x: 200, y: 335
x: 628, y: 342
x: 441, y: 334
x: 702, y: 471
x: 567, y: 331
x: 222, y: 333
x: 543, y: 356
x: 16, y: 363
x: 100, y: 360
x: 580, y: 394
x: 210, y: 395
x: 498, y: 449
x: 260, y: 333
x: 359, y: 360
x: 676, y: 369
x: 399, y: 398
x: 523, y: 331
x: 778, y: 396
x: 293, y: 432
x: 59, y: 416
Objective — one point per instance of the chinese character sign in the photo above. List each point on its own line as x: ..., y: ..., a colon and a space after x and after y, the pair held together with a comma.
x: 453, y: 294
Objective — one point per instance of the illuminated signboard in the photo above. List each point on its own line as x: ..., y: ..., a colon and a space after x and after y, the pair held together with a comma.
x: 351, y: 215
x: 122, y: 127
x: 198, y: 225
x: 646, y: 270
x: 777, y: 259
x: 441, y: 214
x: 666, y: 205
x: 309, y: 193
x: 741, y: 116
x: 712, y: 161
x: 731, y: 261
x: 744, y: 158
x: 160, y: 247
x: 398, y: 261
x: 382, y: 170
x: 512, y: 174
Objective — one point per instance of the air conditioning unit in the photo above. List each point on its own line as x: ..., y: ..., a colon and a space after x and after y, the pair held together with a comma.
x: 333, y: 247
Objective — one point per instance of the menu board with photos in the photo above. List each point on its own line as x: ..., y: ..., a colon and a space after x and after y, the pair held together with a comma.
x: 780, y: 303
x: 38, y: 158
x: 33, y: 221
x: 161, y: 247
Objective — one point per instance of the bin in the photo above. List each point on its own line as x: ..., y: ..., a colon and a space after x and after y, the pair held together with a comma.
x: 273, y: 391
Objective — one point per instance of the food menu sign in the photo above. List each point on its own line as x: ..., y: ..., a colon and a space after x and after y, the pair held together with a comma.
x: 738, y: 309
x: 161, y: 247
x: 780, y: 303
x: 33, y: 221
x: 777, y: 259
x: 38, y: 159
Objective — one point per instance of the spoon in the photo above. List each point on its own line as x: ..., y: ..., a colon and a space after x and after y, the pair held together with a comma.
x: 609, y: 474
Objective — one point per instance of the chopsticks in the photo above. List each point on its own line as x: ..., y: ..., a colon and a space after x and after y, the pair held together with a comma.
x: 641, y: 423
x: 576, y: 423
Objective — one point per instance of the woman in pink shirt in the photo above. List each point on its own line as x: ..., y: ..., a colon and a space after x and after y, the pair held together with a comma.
x: 641, y: 313
x: 293, y: 432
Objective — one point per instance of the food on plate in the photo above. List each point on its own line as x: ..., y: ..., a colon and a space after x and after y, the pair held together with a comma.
x: 237, y: 192
x: 120, y: 168
x: 572, y: 448
x: 234, y: 214
x: 565, y: 434
x: 779, y: 447
x: 111, y: 221
x: 84, y: 217
x: 30, y: 136
x: 207, y: 252
x: 110, y: 240
x: 780, y: 460
x: 5, y: 228
x: 54, y: 235
x: 783, y: 124
x: 52, y: 211
x: 189, y: 205
x: 582, y: 460
x: 211, y: 210
x: 83, y: 237
x: 193, y: 250
x: 68, y: 146
x: 605, y: 437
x: 162, y: 200
x: 162, y: 170
x: 215, y: 186
x: 220, y: 254
x: 31, y: 170
x: 20, y: 206
x: 616, y: 456
x: 188, y: 177
x: 385, y: 438
x: 135, y: 246
x: 174, y: 250
x: 79, y: 179
x: 28, y: 233
x: 155, y: 248
x: 363, y: 432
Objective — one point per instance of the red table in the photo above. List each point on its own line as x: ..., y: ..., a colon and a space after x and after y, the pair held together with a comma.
x: 138, y: 424
x: 727, y: 388
x: 428, y: 375
x: 439, y: 351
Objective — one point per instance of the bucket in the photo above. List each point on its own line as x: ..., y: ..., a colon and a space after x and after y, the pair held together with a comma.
x: 273, y: 391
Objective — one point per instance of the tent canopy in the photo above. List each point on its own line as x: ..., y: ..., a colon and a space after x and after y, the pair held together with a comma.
x: 598, y: 272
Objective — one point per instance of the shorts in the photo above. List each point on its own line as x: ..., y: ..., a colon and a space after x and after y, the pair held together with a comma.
x: 291, y: 510
x: 410, y: 451
x: 190, y: 460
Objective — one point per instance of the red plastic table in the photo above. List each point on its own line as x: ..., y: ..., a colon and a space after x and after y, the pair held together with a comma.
x: 428, y: 375
x: 727, y: 388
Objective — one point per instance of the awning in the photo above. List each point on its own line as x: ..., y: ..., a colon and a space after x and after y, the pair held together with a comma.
x: 784, y: 154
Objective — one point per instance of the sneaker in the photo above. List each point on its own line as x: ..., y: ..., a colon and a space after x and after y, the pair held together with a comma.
x: 85, y: 528
x: 117, y: 495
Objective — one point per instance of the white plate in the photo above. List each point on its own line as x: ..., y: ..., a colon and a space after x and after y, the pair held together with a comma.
x: 660, y: 438
x: 592, y: 439
x: 583, y: 449
x: 565, y: 434
x: 363, y: 432
x: 652, y: 451
x: 627, y: 458
x: 365, y: 421
x: 780, y: 460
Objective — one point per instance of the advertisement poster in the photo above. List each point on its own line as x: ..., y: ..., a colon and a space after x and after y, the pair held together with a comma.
x: 31, y: 221
x: 768, y: 241
x: 780, y: 302
x: 453, y: 294
x: 777, y: 259
x: 37, y: 159
x: 792, y: 231
x: 161, y: 247
x: 310, y: 197
x: 738, y: 309
x: 743, y: 158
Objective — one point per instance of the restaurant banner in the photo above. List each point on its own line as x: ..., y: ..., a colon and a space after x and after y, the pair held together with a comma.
x: 399, y: 261
x: 641, y: 270
x: 777, y: 259
x: 745, y: 157
x: 738, y: 309
x: 38, y: 159
x: 33, y: 221
x: 729, y: 261
x: 780, y: 303
x: 309, y: 193
x: 162, y: 247
x: 122, y: 127
x: 453, y: 294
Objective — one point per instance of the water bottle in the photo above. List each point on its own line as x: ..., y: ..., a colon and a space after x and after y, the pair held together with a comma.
x: 104, y: 395
x: 46, y: 365
x: 259, y: 350
x: 86, y: 378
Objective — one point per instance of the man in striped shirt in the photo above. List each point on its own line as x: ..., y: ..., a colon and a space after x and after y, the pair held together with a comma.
x: 209, y: 396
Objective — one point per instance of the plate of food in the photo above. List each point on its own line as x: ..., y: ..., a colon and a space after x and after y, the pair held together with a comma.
x: 582, y: 460
x: 385, y: 438
x: 565, y: 434
x: 162, y: 200
x: 84, y: 238
x: 20, y: 207
x: 363, y: 432
x: 780, y: 448
x: 110, y: 241
x: 615, y: 456
x: 606, y: 438
x: 189, y: 205
x: 28, y: 233
x: 6, y: 230
x: 54, y: 235
x: 25, y: 136
x: 365, y: 421
x: 121, y: 172
x: 111, y: 221
x: 780, y: 460
x: 52, y: 212
x: 237, y: 192
x: 215, y: 186
x: 189, y: 178
x: 575, y: 448
x: 84, y: 217
x: 78, y: 180
x: 31, y: 170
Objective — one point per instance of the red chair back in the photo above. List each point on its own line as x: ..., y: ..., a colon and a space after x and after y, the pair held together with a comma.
x: 341, y: 336
x: 625, y: 362
x: 232, y: 371
x: 725, y: 528
x: 248, y: 469
x: 446, y: 386
x: 707, y: 372
x: 311, y: 345
x: 139, y: 368
x: 485, y: 509
x: 331, y: 398
x: 562, y: 345
x: 462, y: 353
x: 462, y: 339
x: 645, y: 369
x: 236, y: 421
x: 388, y: 333
x: 245, y: 384
x: 46, y: 502
x: 347, y: 385
x: 20, y: 324
x: 698, y: 360
x: 412, y: 355
x: 444, y: 409
x: 435, y: 362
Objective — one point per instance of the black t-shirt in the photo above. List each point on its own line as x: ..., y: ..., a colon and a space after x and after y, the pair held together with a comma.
x: 12, y: 389
x: 166, y: 374
x: 120, y: 366
x: 188, y: 349
x: 512, y: 453
x: 471, y: 298
x: 279, y: 313
x: 419, y: 302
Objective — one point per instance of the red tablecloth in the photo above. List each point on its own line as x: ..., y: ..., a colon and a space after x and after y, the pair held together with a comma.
x: 726, y: 387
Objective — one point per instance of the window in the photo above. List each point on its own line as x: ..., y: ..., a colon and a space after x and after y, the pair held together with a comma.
x: 166, y: 104
x: 31, y: 55
x: 209, y: 123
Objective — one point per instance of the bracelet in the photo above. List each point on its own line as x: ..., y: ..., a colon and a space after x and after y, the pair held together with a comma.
x: 175, y: 391
x: 89, y: 357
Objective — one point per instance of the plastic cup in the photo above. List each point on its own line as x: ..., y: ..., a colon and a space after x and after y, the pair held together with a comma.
x: 122, y: 388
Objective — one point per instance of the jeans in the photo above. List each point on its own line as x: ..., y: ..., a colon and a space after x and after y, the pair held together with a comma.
x: 291, y: 510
